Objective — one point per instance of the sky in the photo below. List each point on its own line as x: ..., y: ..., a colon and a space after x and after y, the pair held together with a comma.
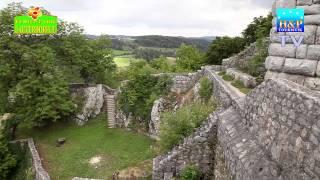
x: 189, y: 18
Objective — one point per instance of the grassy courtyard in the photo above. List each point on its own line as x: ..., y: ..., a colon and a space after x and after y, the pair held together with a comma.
x: 92, y: 151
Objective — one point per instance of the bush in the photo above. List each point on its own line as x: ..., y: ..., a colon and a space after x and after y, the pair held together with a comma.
x: 138, y: 95
x: 206, y: 88
x: 7, y: 160
x: 222, y: 73
x: 177, y: 125
x: 227, y: 77
x: 190, y: 173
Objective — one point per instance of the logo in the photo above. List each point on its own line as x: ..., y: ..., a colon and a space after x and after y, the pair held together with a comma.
x: 35, y: 23
x: 290, y: 20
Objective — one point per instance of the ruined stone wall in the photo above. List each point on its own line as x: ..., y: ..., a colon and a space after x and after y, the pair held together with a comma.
x: 285, y: 119
x: 38, y: 170
x: 194, y: 150
x: 184, y: 82
x: 300, y: 65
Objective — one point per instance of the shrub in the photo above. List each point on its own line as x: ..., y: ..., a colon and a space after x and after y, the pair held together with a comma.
x: 222, y: 73
x: 7, y: 160
x: 206, y: 88
x: 227, y: 77
x: 138, y: 95
x: 190, y: 173
x: 177, y: 125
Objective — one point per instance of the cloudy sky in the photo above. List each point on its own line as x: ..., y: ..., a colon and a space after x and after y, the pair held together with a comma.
x: 190, y: 18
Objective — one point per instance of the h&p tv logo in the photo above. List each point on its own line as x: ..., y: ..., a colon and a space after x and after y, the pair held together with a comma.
x: 290, y: 20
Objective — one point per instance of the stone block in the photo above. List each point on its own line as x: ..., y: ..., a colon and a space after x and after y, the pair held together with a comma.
x: 310, y: 10
x: 318, y: 36
x: 286, y: 3
x: 312, y: 83
x: 275, y: 36
x: 312, y: 20
x: 304, y: 2
x: 301, y: 67
x: 309, y: 34
x: 276, y: 49
x: 271, y: 74
x: 291, y: 77
x: 274, y: 63
x: 302, y: 51
x: 313, y: 52
x: 318, y: 70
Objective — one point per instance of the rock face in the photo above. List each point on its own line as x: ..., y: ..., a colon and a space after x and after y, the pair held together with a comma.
x: 154, y: 124
x: 94, y: 98
x: 297, y: 64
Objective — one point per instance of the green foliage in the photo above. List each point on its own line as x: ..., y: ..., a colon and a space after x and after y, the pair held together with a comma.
x: 255, y: 66
x: 239, y: 84
x: 259, y: 27
x: 162, y: 64
x: 189, y: 58
x: 222, y: 73
x: 190, y: 173
x: 142, y: 89
x: 177, y: 125
x: 224, y: 47
x: 227, y: 77
x: 34, y: 69
x: 23, y: 170
x: 206, y: 88
x: 7, y: 160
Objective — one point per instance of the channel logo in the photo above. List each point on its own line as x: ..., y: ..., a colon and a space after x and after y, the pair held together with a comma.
x: 290, y: 20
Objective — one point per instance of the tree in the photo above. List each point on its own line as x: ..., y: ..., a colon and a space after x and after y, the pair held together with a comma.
x: 7, y: 160
x: 188, y: 58
x: 224, y: 47
x: 33, y: 68
x: 260, y: 26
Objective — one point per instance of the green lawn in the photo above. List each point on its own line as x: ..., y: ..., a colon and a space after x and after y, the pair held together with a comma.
x: 122, y: 61
x: 117, y: 147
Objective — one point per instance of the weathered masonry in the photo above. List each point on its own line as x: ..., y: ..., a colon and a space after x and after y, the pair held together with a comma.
x: 273, y: 133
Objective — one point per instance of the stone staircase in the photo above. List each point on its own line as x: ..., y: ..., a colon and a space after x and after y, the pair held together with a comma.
x: 111, y: 111
x: 244, y: 158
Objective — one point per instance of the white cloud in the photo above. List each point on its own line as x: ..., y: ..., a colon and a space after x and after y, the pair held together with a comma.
x: 166, y: 17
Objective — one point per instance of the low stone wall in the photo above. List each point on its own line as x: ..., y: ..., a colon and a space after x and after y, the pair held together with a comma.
x: 248, y: 81
x: 222, y: 92
x: 284, y: 117
x: 195, y: 150
x: 184, y: 82
x: 39, y: 171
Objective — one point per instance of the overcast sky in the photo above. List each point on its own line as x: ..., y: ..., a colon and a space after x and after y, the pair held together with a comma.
x: 190, y: 18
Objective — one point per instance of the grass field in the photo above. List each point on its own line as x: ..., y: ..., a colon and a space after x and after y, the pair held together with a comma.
x: 117, y: 148
x: 122, y: 61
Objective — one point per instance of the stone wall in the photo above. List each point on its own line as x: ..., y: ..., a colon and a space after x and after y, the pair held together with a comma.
x: 39, y: 171
x: 184, y: 82
x: 284, y: 117
x: 301, y: 64
x: 248, y: 81
x: 194, y: 150
x: 242, y: 58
